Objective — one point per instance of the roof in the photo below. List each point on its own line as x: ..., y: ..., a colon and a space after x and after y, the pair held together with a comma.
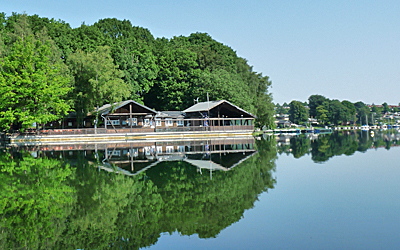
x: 171, y: 114
x: 207, y: 106
x: 203, y: 106
x: 107, y: 108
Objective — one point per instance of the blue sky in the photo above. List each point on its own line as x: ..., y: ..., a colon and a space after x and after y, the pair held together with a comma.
x: 346, y: 50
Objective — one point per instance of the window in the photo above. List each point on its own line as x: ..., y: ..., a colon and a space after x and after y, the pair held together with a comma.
x: 126, y: 122
x: 113, y: 122
x: 181, y: 148
x: 146, y: 122
x: 114, y: 152
x: 159, y: 149
x: 169, y: 149
x: 169, y: 122
x: 69, y: 124
x: 180, y: 123
x: 158, y: 122
x: 134, y: 152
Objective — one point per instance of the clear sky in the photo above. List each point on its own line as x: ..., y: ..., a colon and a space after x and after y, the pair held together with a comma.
x: 342, y: 49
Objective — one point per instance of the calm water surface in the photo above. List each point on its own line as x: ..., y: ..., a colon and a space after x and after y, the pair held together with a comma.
x: 338, y: 191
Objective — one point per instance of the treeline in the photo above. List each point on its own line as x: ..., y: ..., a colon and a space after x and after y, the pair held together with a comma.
x: 49, y: 69
x: 332, y: 112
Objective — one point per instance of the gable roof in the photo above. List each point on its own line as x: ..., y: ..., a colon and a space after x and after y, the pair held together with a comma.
x: 107, y: 108
x: 170, y: 114
x: 207, y: 106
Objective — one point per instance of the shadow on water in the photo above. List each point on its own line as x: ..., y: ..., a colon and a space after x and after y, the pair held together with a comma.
x: 126, y: 195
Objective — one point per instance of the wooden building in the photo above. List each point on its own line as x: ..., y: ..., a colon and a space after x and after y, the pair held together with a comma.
x: 132, y: 117
x: 129, y: 116
x: 219, y: 115
x: 169, y: 121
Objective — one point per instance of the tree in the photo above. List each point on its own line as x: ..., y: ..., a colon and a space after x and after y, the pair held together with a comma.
x: 351, y: 110
x: 33, y: 87
x: 313, y: 102
x: 166, y: 74
x: 176, y: 78
x: 97, y: 80
x: 362, y: 112
x: 386, y: 107
x: 322, y: 114
x: 131, y: 48
x: 338, y: 113
x: 298, y: 113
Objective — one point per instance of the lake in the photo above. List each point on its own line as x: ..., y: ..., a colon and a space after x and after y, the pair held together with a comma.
x: 333, y: 191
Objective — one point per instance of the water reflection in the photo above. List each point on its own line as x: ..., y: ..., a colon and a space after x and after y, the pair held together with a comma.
x: 125, y: 195
x: 323, y: 147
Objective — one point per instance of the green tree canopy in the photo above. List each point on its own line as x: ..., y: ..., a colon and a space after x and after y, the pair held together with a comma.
x: 313, y: 102
x: 33, y: 87
x: 97, y: 80
x: 298, y: 113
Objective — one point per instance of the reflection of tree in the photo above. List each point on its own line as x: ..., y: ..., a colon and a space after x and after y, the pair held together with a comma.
x: 299, y: 145
x: 335, y: 144
x: 35, y: 201
x: 102, y: 198
x: 98, y: 209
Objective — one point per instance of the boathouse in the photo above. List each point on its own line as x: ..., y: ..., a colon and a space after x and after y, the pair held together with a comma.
x: 219, y: 115
x: 127, y: 116
x: 130, y: 118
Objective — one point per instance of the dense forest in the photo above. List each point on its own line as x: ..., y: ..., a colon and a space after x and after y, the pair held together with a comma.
x: 49, y: 69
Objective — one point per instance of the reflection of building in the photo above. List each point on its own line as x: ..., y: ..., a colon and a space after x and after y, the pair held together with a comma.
x: 133, y: 158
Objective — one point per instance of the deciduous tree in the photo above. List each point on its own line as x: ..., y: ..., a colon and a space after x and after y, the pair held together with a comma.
x: 33, y: 87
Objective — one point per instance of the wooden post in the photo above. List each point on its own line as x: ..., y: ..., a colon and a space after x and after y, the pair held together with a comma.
x: 131, y: 154
x: 130, y: 116
x: 112, y: 124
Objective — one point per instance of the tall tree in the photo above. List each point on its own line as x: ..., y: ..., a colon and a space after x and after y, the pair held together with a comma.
x: 313, y: 102
x: 131, y: 48
x: 298, y: 113
x: 362, y: 112
x: 351, y: 110
x: 97, y: 80
x: 174, y: 82
x: 33, y: 87
x: 386, y: 108
x: 338, y: 113
x: 322, y: 114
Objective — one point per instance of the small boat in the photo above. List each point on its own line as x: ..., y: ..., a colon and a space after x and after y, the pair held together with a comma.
x: 364, y: 127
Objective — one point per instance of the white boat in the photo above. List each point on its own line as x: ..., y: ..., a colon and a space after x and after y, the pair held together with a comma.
x: 364, y: 127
